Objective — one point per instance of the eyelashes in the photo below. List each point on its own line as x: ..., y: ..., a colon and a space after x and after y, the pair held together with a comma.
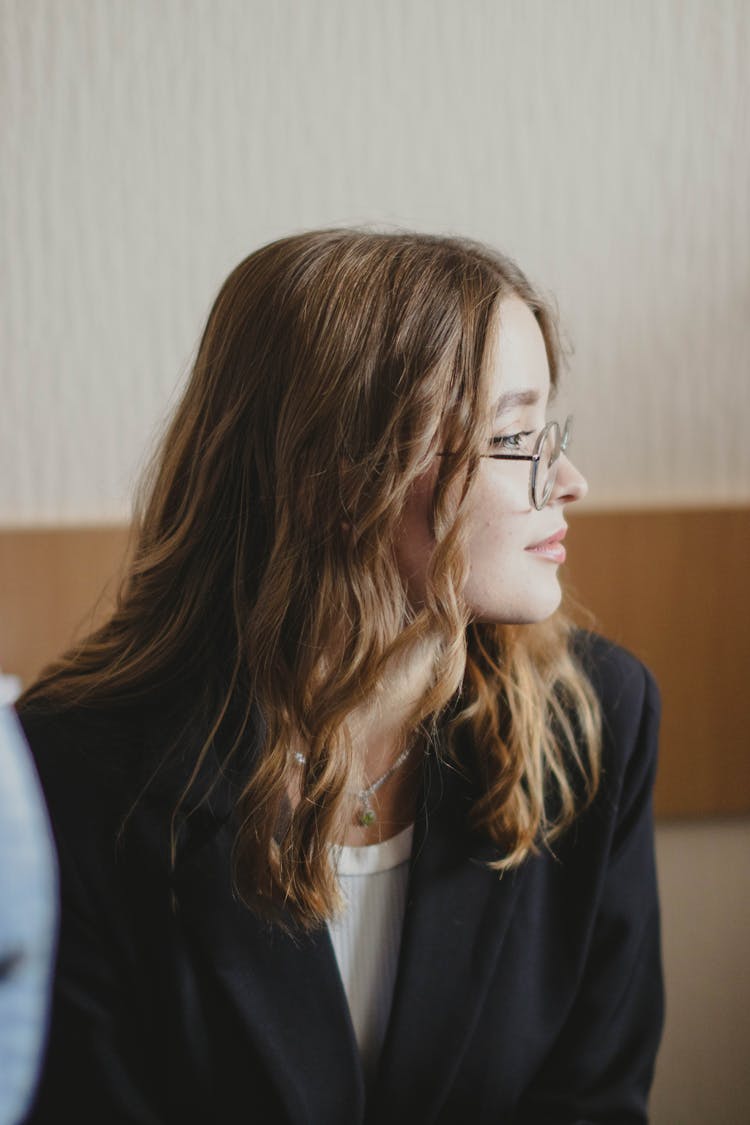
x: 511, y: 443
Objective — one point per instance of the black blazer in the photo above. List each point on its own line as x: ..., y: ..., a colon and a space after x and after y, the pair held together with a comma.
x: 535, y: 997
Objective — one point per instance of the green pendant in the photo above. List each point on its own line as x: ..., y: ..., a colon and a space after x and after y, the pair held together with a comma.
x: 367, y: 817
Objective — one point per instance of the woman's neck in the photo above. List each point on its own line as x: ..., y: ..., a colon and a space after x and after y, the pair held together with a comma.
x: 380, y: 729
x: 393, y: 805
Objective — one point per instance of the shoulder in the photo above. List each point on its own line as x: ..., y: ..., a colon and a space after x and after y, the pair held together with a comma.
x: 108, y: 766
x: 625, y: 686
x: 77, y: 740
x: 630, y: 704
x: 90, y: 764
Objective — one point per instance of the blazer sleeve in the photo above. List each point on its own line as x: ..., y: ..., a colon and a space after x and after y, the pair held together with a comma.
x: 601, y: 1067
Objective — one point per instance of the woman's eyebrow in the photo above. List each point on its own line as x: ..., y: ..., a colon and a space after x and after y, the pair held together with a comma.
x: 515, y: 398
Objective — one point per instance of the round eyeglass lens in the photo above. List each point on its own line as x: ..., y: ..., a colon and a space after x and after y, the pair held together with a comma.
x: 565, y: 439
x: 546, y: 466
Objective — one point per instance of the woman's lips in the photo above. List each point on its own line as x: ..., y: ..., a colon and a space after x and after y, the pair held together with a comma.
x: 552, y: 547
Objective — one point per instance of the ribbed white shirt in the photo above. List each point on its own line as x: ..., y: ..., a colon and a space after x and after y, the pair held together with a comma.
x: 366, y: 936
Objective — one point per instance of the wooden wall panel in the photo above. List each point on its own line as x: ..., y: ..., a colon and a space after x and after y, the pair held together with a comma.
x: 669, y: 585
x: 672, y: 586
x: 54, y: 584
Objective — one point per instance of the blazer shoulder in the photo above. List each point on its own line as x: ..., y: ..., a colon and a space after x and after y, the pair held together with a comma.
x: 89, y: 765
x: 623, y: 683
x: 631, y: 711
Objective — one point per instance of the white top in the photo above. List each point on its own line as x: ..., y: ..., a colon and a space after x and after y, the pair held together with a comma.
x: 367, y: 935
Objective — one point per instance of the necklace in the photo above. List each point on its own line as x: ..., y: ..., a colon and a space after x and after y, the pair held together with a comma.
x: 367, y: 814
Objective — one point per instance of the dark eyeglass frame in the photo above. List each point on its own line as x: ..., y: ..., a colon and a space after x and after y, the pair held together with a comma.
x: 561, y: 442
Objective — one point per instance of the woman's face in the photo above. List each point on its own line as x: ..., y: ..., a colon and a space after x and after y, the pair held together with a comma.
x: 511, y: 578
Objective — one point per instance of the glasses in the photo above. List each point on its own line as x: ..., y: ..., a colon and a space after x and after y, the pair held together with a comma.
x: 545, y: 460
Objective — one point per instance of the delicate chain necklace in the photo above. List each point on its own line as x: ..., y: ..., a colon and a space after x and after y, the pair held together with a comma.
x: 367, y: 814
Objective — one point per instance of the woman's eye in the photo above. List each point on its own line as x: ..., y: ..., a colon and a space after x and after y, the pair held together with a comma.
x: 512, y: 443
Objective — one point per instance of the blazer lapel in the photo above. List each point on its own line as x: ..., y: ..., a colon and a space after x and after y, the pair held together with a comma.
x: 456, y: 918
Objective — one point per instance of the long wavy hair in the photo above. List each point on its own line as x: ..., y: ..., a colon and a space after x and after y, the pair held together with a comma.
x: 262, y: 572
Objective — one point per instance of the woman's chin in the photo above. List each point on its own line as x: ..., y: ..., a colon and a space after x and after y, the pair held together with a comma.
x: 528, y: 610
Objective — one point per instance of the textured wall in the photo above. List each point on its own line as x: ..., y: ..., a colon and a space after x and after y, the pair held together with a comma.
x: 702, y: 1076
x: 148, y: 145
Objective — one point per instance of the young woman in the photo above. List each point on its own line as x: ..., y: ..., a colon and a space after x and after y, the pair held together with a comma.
x: 352, y: 824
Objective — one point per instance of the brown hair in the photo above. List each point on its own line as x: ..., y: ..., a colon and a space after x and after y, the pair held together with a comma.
x: 333, y: 365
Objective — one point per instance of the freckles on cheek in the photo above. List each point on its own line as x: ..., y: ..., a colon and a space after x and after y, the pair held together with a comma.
x: 498, y: 516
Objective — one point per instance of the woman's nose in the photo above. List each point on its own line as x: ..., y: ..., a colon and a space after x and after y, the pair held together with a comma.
x: 570, y: 485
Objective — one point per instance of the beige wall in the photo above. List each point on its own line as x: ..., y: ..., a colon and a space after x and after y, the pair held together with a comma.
x: 702, y: 1076
x: 147, y: 146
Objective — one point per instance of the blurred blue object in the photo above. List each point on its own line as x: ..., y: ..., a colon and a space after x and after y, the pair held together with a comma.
x: 28, y: 921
